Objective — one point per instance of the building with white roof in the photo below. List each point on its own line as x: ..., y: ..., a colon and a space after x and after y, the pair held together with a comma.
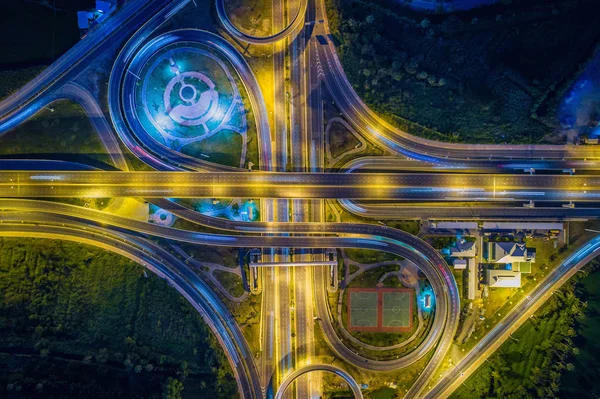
x: 503, y: 278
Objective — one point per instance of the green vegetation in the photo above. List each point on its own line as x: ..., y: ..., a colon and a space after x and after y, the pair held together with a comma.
x: 369, y: 256
x: 220, y: 255
x: 231, y: 281
x: 586, y: 350
x: 410, y: 226
x: 11, y: 80
x: 468, y: 77
x: 251, y: 16
x: 383, y: 393
x: 61, y: 131
x: 76, y: 321
x: 341, y: 140
x: 543, y: 351
x: 224, y: 148
x: 441, y: 242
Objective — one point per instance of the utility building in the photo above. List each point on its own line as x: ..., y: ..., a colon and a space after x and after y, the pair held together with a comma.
x: 503, y: 278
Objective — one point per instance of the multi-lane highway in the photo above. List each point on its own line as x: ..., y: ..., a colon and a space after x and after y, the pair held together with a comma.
x: 440, y: 172
x: 408, y: 186
x: 347, y: 235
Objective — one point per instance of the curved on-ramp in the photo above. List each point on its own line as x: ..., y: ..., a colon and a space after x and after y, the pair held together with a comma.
x: 296, y: 22
x: 124, y: 77
x: 396, y: 140
x: 347, y: 235
x: 148, y: 254
x: 319, y: 367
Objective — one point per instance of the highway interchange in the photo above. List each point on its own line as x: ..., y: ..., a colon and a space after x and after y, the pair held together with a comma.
x: 484, y: 180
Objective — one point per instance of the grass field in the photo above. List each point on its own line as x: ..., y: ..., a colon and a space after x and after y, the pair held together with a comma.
x: 224, y: 148
x: 231, y: 281
x: 64, y: 133
x: 369, y: 256
x: 396, y: 309
x: 341, y: 140
x: 251, y: 16
x: 363, y: 309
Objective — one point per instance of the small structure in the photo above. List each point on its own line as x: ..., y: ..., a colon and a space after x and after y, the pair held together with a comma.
x: 103, y: 6
x: 455, y: 226
x: 86, y: 20
x: 503, y: 278
x: 509, y: 252
x: 427, y: 301
x: 472, y: 286
x: 463, y: 249
x: 460, y: 264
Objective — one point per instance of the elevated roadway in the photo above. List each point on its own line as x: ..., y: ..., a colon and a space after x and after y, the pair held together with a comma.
x: 400, y: 163
x: 319, y: 367
x: 467, y: 211
x: 347, y: 235
x: 398, y: 141
x: 409, y: 186
x: 293, y: 26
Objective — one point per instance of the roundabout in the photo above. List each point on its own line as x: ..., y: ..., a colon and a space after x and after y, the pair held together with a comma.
x: 177, y: 103
x: 187, y: 100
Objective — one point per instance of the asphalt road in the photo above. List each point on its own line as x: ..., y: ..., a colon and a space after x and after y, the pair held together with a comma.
x: 347, y: 235
x: 397, y: 141
x: 324, y: 66
x: 517, y: 316
x: 409, y: 186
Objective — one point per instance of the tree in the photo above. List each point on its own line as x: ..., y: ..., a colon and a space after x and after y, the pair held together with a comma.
x: 422, y: 75
x: 570, y: 366
x: 172, y: 389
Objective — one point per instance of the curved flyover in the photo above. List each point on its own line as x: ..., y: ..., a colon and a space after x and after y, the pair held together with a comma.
x: 296, y: 22
x: 162, y: 263
x: 402, y: 210
x: 370, y: 124
x: 319, y: 367
x: 349, y: 235
x: 124, y: 78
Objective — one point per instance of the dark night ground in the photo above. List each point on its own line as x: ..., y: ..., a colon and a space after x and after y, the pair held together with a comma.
x: 504, y: 68
x: 77, y: 321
